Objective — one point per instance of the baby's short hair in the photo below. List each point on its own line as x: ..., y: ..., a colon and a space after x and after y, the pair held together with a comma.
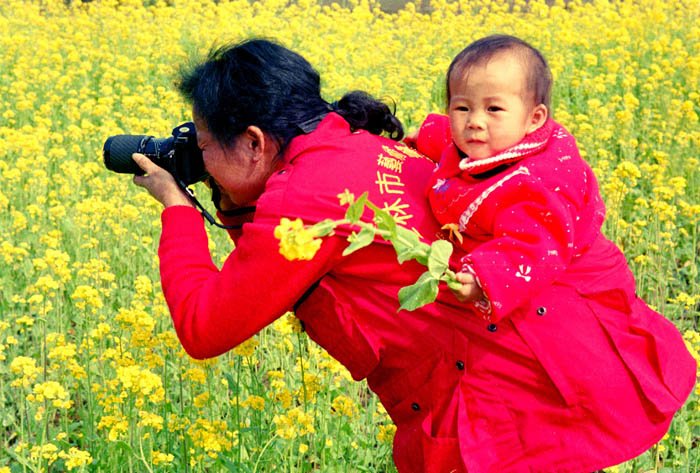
x: 539, y: 77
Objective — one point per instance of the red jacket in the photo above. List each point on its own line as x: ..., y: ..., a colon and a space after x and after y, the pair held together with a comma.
x: 533, y: 214
x: 563, y: 395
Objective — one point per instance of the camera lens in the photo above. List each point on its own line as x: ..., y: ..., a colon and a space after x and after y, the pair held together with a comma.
x: 118, y: 149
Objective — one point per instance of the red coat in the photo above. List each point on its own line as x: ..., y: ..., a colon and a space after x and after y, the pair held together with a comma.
x: 563, y: 395
x: 533, y: 215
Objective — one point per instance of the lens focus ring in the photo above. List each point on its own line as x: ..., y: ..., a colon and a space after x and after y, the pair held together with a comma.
x: 117, y: 152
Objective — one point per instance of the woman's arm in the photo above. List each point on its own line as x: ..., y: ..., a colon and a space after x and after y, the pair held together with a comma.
x: 212, y: 310
x: 215, y: 310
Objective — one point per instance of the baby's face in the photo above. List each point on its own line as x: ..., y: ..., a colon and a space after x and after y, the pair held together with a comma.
x: 488, y: 111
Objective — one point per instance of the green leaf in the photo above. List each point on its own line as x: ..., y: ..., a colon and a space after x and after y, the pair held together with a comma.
x: 439, y: 257
x: 324, y: 227
x: 419, y: 254
x: 405, y: 238
x: 408, y: 246
x: 423, y: 292
x: 123, y: 447
x: 231, y: 466
x: 359, y: 240
x: 384, y: 221
x: 356, y: 209
x: 232, y: 384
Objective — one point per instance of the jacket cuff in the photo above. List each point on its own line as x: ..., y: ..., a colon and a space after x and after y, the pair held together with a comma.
x: 482, y: 306
x: 434, y: 136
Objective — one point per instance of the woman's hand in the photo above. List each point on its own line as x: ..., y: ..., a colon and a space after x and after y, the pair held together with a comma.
x: 470, y: 290
x: 159, y: 183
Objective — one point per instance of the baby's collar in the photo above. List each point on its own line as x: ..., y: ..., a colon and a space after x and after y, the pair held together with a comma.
x: 532, y: 143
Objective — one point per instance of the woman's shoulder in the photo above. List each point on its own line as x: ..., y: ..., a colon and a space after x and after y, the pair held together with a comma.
x: 312, y: 179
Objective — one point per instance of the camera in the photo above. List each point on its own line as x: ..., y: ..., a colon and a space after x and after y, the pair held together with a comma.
x: 177, y: 154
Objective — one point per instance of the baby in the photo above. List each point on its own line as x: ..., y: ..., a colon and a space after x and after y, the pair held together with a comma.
x: 512, y: 183
x: 527, y: 211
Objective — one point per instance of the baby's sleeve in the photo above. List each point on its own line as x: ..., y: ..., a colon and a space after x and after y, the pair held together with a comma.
x: 433, y: 136
x: 532, y: 245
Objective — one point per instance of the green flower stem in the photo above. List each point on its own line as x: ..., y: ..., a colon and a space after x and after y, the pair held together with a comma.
x: 407, y: 244
x: 303, y: 377
x: 237, y: 410
x: 385, y: 234
x: 183, y: 443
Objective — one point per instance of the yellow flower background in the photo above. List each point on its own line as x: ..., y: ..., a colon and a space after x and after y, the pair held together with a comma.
x: 92, y: 377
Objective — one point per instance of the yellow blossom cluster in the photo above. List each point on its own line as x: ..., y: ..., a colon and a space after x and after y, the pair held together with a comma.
x: 343, y: 405
x: 294, y: 423
x: 212, y: 436
x: 296, y: 241
x: 50, y: 391
x: 75, y: 458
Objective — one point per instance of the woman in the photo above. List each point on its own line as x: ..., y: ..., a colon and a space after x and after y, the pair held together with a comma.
x: 465, y: 395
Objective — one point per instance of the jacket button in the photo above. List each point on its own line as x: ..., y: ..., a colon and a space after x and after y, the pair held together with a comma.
x: 415, y: 406
x: 492, y: 327
x: 541, y: 311
x: 460, y: 365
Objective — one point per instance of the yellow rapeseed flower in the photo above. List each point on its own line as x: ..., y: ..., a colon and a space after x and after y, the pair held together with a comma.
x: 386, y: 434
x: 246, y: 348
x: 160, y: 458
x: 50, y: 391
x: 296, y: 241
x: 254, y: 402
x: 25, y: 367
x: 343, y: 405
x: 75, y: 458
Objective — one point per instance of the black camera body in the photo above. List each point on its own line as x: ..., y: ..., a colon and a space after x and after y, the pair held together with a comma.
x: 178, y: 154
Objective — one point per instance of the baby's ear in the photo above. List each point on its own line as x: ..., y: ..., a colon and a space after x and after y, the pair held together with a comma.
x: 537, y: 117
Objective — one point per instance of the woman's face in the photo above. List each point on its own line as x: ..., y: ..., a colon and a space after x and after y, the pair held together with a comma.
x: 241, y: 169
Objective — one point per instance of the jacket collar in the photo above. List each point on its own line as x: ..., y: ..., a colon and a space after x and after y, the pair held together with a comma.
x: 330, y: 125
x: 531, y: 144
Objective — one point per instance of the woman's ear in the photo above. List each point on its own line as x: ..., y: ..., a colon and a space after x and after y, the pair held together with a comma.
x: 259, y: 144
x: 537, y: 117
x: 255, y: 141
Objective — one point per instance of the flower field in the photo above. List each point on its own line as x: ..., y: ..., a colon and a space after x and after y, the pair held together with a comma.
x: 92, y: 376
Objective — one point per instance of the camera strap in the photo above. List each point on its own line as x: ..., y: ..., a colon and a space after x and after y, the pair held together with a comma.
x: 207, y: 215
x: 310, y: 125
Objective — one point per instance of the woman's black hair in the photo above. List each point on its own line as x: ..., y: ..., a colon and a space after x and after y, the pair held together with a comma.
x: 260, y: 83
x: 539, y: 76
x: 362, y: 111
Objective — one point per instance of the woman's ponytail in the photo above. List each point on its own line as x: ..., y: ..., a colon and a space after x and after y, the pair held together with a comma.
x: 362, y: 111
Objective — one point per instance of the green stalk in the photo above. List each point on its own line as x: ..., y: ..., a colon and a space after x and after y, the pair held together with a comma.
x: 237, y: 410
x: 91, y: 415
x: 182, y: 412
x: 143, y: 457
x: 269, y: 442
x: 301, y: 365
x: 163, y: 411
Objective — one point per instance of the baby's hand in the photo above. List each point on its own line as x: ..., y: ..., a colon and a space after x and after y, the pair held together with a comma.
x: 411, y: 139
x: 470, y: 290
